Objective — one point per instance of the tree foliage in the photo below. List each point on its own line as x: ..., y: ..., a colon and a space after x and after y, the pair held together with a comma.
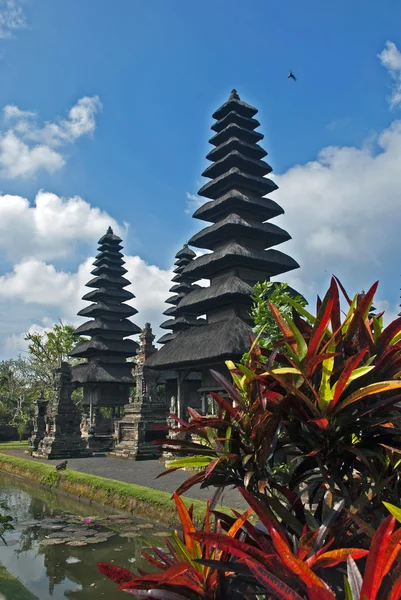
x: 265, y: 325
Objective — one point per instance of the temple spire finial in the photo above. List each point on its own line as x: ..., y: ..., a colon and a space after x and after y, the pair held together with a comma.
x: 110, y: 230
x: 234, y: 94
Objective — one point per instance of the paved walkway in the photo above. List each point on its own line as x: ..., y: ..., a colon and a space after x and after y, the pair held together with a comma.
x: 141, y: 473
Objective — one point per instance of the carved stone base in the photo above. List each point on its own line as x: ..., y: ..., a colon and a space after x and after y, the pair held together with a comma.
x: 136, y: 433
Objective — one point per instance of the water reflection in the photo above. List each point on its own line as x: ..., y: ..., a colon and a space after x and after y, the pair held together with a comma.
x: 59, y: 571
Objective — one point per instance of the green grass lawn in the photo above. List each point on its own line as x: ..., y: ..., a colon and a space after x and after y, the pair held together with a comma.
x: 11, y: 588
x: 14, y: 445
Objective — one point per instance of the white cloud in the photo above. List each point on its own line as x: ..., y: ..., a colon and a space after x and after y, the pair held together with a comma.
x: 51, y: 228
x: 27, y: 148
x: 193, y: 202
x: 390, y: 58
x: 12, y: 18
x: 342, y: 210
x: 38, y: 284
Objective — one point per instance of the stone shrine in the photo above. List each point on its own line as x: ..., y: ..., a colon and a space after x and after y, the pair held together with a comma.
x: 39, y: 427
x: 135, y: 430
x: 62, y: 437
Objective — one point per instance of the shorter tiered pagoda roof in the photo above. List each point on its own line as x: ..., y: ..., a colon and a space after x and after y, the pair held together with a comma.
x: 183, y: 285
x: 106, y: 350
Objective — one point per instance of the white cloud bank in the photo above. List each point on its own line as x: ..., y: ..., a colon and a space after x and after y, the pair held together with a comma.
x: 390, y: 58
x: 27, y: 148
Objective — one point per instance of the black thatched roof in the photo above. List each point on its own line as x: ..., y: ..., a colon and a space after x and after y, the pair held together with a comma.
x: 232, y: 255
x: 203, y: 346
x: 232, y: 290
x: 99, y: 347
x: 238, y: 240
x: 96, y: 372
x: 103, y: 294
x: 183, y: 285
x: 101, y: 326
x: 234, y: 130
x: 240, y: 203
x: 241, y: 161
x: 234, y: 117
x: 236, y: 179
x: 251, y: 150
x: 109, y: 323
x: 234, y: 103
x: 235, y: 226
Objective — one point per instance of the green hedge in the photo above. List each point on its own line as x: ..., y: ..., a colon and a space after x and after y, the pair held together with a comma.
x: 143, y: 501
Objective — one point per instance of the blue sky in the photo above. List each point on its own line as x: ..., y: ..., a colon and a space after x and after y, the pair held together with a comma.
x: 158, y: 70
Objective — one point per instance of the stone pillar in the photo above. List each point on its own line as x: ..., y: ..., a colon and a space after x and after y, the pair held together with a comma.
x: 39, y: 428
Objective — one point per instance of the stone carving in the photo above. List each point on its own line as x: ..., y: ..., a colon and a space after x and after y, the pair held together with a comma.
x: 145, y: 410
x: 61, y: 422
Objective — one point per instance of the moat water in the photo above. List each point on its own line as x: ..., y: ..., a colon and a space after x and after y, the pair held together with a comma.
x: 57, y: 543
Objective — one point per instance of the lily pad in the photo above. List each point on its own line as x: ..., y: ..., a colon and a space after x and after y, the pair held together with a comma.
x: 77, y: 543
x: 145, y: 526
x: 130, y: 534
x: 52, y: 542
x: 161, y: 534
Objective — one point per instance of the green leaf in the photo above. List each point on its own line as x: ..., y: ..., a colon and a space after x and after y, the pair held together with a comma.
x: 190, y: 461
x: 302, y: 346
x: 326, y: 392
x: 347, y: 589
x: 285, y: 371
x: 394, y: 510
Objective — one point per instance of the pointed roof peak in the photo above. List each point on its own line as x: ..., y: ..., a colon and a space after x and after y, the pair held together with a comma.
x: 109, y: 230
x: 234, y: 95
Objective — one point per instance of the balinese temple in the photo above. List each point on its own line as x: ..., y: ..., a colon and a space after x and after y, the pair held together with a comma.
x: 183, y: 285
x: 106, y: 376
x: 240, y: 241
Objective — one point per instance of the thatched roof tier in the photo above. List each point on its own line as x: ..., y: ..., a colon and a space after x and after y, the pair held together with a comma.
x: 252, y: 150
x: 259, y: 235
x: 228, y: 291
x: 108, y: 269
x: 174, y: 299
x: 170, y: 312
x: 108, y: 281
x: 95, y: 372
x: 104, y: 347
x: 181, y: 288
x: 235, y: 103
x: 204, y: 346
x: 102, y: 326
x: 240, y: 203
x: 235, y: 117
x: 239, y: 160
x: 107, y: 294
x: 167, y: 337
x: 109, y: 314
x: 110, y: 238
x: 110, y: 257
x: 182, y: 322
x: 237, y: 179
x: 103, y: 309
x: 185, y: 252
x: 234, y: 255
x: 234, y: 130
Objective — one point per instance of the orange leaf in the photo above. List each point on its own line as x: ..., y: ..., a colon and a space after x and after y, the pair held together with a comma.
x: 334, y: 557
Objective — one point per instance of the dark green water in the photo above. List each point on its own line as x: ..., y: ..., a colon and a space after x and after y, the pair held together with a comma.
x: 61, y: 571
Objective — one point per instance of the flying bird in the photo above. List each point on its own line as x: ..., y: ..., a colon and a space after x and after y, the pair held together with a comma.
x: 291, y: 76
x: 62, y: 466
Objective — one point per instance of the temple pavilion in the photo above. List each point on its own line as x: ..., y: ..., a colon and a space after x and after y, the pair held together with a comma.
x: 239, y: 250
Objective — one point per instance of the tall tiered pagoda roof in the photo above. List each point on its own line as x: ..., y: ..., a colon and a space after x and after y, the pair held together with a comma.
x: 183, y: 285
x: 240, y: 239
x: 106, y: 350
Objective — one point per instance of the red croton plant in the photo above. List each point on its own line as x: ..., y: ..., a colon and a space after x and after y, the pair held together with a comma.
x: 310, y: 435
